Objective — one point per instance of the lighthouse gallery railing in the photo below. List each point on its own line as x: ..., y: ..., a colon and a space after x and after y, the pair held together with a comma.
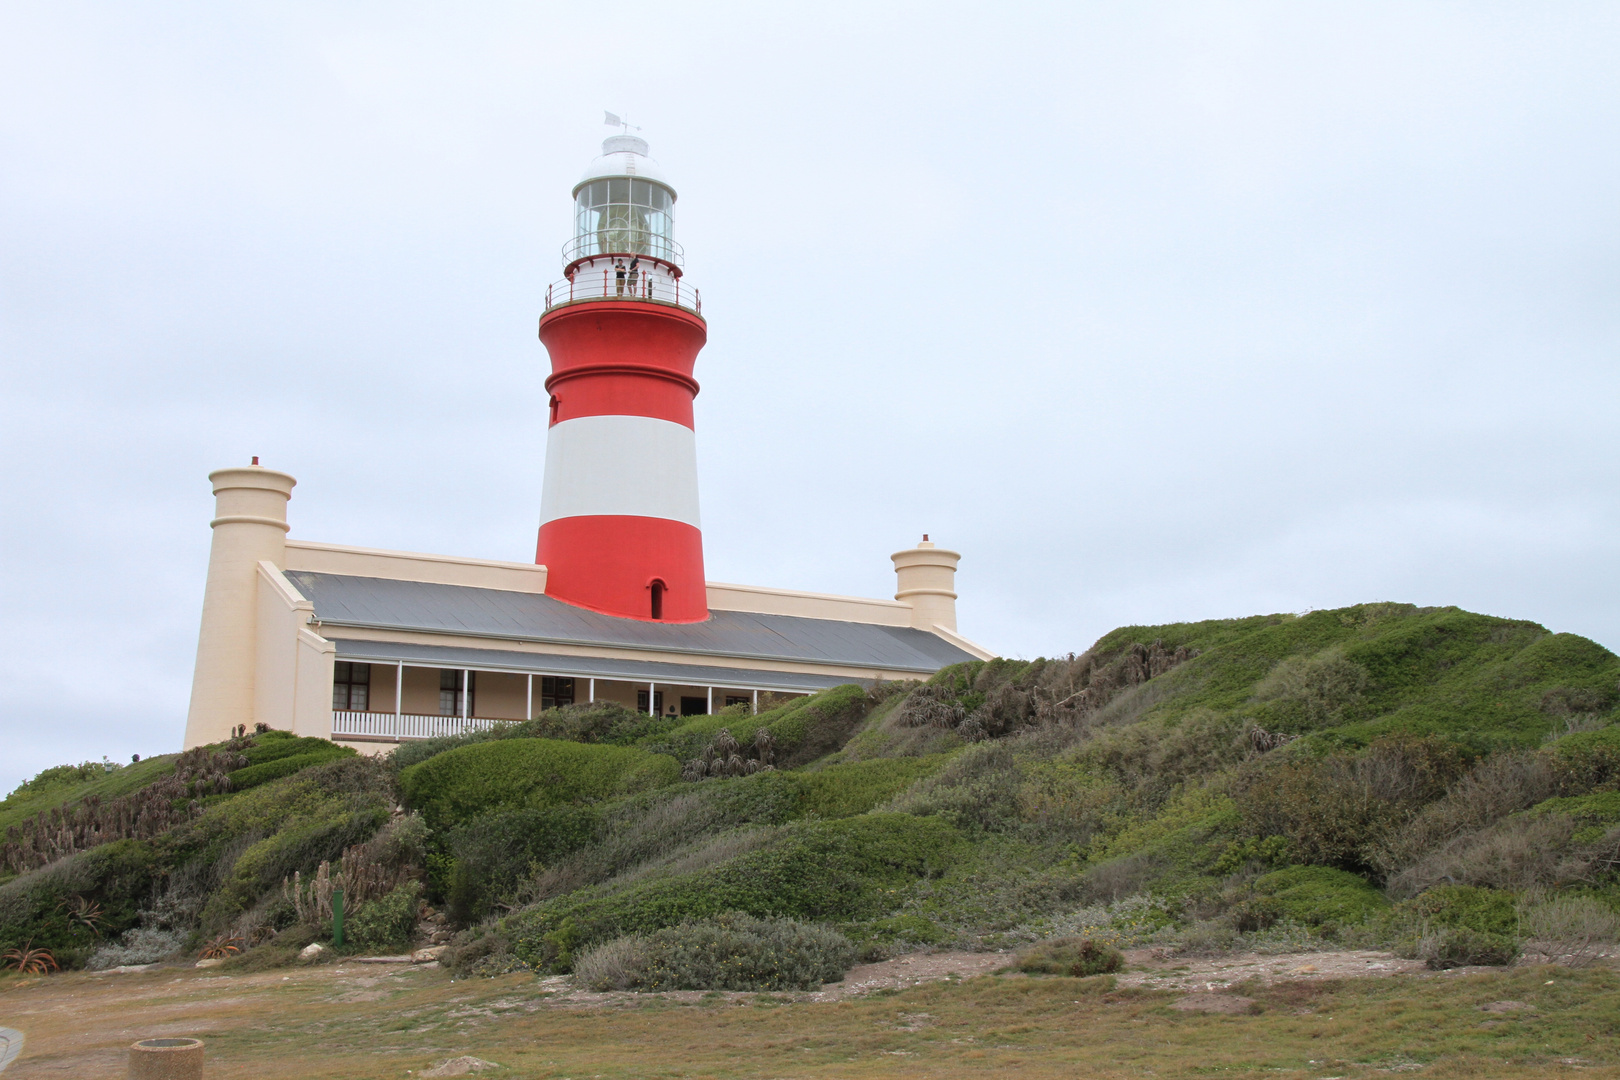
x: 605, y: 284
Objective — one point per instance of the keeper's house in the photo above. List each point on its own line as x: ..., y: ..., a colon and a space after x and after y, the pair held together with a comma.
x: 370, y: 647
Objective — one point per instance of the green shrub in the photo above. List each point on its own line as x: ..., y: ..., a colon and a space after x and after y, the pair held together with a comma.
x: 732, y: 951
x: 62, y: 790
x: 805, y: 728
x: 491, y: 857
x: 61, y: 776
x: 1487, y: 911
x: 587, y: 722
x: 1589, y: 760
x: 596, y: 722
x: 458, y: 785
x: 1321, y: 896
x: 241, y: 847
x: 1594, y: 814
x: 1077, y: 957
x: 37, y: 906
x: 1341, y: 810
x: 1306, y: 692
x: 271, y: 746
x: 856, y: 787
x: 977, y: 791
x: 822, y: 870
x: 252, y: 776
x: 1457, y: 946
x: 1455, y: 925
x: 385, y: 922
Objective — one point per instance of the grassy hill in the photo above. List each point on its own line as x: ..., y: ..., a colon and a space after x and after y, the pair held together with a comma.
x: 1432, y: 780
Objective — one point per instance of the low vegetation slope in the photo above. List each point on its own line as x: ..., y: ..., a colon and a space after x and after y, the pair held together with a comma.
x: 1440, y: 782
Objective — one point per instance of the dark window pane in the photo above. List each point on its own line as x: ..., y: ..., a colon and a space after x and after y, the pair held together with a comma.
x: 619, y: 190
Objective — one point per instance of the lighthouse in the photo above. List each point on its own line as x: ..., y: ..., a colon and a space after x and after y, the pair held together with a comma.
x: 370, y: 646
x: 619, y: 526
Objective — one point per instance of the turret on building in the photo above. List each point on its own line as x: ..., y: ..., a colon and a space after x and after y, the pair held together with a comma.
x: 371, y: 647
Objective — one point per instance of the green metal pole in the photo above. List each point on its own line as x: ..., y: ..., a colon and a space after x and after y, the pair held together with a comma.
x: 337, y: 918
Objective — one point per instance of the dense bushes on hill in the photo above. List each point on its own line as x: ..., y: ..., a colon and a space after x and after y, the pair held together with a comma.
x: 71, y: 905
x: 832, y: 871
x: 1380, y: 774
x: 217, y: 869
x: 460, y: 784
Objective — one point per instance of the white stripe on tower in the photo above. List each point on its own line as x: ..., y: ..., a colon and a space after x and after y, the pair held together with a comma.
x: 635, y: 466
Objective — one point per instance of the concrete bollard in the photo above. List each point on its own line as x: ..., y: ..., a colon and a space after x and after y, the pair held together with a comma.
x: 166, y: 1059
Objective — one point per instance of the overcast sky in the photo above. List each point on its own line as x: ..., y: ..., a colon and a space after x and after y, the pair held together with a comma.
x: 1154, y: 312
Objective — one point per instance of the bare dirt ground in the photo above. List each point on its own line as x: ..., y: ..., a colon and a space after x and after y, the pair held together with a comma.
x: 1153, y: 969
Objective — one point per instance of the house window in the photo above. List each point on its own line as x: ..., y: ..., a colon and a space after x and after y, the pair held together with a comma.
x: 555, y: 692
x: 351, y: 686
x: 453, y: 685
x: 658, y: 701
x: 738, y: 699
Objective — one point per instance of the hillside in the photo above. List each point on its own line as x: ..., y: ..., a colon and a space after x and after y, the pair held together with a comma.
x: 1440, y: 782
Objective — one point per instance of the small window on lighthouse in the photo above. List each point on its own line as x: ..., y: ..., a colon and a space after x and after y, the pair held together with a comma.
x: 554, y: 404
x: 657, y: 599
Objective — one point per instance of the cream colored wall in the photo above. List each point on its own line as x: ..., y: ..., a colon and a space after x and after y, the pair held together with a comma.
x: 620, y: 693
x: 293, y: 675
x: 500, y: 695
x: 250, y: 525
x: 421, y: 691
x: 312, y: 711
x: 281, y: 613
x: 380, y: 698
x: 807, y: 605
x: 411, y: 566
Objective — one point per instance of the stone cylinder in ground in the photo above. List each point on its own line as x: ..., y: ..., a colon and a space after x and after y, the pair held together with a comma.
x: 166, y: 1059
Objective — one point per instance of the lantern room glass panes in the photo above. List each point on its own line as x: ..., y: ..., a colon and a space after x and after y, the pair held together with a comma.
x: 624, y: 216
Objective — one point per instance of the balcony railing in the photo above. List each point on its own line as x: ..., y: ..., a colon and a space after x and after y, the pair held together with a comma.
x: 407, y: 725
x: 587, y: 285
x: 626, y: 242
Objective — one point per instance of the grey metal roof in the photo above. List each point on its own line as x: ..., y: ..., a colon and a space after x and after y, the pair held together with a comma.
x: 637, y: 671
x: 385, y: 603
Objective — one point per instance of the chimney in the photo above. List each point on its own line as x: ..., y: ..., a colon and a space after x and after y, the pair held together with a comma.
x: 925, y: 578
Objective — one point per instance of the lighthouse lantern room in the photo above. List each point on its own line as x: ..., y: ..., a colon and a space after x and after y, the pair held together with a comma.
x: 619, y: 527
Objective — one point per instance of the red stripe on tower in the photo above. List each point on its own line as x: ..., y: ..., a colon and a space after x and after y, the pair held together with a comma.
x: 619, y: 527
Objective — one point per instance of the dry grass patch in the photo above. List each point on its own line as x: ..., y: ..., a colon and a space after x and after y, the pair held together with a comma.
x: 360, y: 1024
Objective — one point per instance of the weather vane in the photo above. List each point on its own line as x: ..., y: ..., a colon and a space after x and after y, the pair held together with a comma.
x: 614, y: 120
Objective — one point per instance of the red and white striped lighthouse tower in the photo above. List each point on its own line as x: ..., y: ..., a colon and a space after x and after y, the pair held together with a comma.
x: 619, y: 529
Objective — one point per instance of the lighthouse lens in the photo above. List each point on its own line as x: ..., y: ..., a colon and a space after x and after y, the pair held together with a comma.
x: 624, y: 216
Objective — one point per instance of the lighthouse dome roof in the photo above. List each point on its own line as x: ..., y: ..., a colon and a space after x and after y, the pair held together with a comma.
x: 624, y: 155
